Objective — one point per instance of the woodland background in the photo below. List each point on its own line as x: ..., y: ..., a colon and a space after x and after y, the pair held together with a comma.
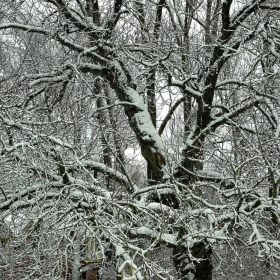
x: 141, y: 137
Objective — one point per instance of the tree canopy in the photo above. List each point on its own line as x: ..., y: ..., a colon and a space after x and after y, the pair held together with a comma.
x: 133, y: 126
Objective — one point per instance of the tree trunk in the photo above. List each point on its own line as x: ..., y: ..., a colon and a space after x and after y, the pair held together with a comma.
x: 193, y: 270
x: 77, y: 256
x: 151, y: 102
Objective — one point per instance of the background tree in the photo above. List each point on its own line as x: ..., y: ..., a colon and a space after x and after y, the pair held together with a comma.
x: 83, y: 81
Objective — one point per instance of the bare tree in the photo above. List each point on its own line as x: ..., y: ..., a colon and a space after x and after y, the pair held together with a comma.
x: 84, y: 81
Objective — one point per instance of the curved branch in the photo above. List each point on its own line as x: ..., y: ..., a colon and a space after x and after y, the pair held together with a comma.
x: 238, y: 17
x: 169, y: 114
x: 34, y: 29
x: 104, y: 169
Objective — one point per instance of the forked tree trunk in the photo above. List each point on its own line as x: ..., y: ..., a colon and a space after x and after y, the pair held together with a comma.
x: 201, y: 268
